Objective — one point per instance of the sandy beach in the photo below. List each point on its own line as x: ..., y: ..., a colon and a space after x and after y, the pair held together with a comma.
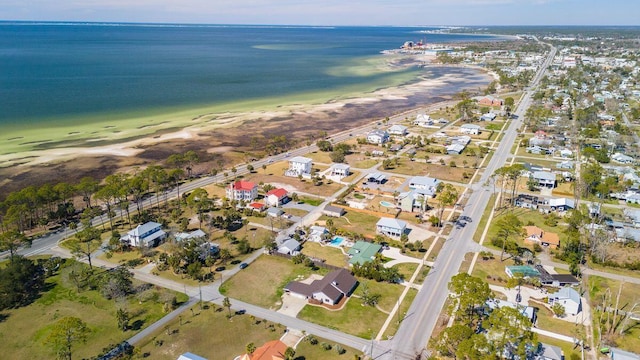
x: 225, y: 135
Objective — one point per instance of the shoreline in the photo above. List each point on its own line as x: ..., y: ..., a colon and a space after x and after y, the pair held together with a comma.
x: 70, y: 144
x: 221, y: 135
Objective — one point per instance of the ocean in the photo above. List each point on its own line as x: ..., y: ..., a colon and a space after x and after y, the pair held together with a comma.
x: 54, y: 71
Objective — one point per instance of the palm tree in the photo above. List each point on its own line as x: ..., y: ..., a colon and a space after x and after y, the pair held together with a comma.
x: 227, y: 303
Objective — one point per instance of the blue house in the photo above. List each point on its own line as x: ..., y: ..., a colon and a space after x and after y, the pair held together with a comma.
x: 149, y: 235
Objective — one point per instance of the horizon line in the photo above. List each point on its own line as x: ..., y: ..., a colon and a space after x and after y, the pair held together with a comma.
x: 450, y: 27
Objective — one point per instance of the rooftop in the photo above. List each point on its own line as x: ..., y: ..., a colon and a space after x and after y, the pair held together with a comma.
x: 362, y: 252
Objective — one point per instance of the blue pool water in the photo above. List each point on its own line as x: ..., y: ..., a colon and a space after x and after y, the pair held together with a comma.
x: 386, y: 204
x: 336, y: 241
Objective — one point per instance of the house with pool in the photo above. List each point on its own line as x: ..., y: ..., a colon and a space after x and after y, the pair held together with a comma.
x: 392, y: 228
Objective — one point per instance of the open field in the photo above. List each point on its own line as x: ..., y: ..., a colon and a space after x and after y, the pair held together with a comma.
x: 262, y: 283
x: 23, y: 330
x: 306, y: 351
x: 356, y: 222
x: 208, y: 334
x: 274, y: 175
x: 547, y: 321
x: 331, y: 255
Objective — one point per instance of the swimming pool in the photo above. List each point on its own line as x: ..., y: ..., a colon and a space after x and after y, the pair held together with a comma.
x: 387, y: 204
x: 336, y: 241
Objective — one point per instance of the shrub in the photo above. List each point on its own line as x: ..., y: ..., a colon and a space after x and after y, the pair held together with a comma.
x: 312, y: 340
x: 326, y: 346
x: 339, y: 349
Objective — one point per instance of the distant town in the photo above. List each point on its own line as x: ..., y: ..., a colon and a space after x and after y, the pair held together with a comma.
x: 501, y: 223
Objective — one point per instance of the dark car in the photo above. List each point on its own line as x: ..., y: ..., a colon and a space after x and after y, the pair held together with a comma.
x: 221, y: 268
x: 241, y: 312
x: 243, y: 265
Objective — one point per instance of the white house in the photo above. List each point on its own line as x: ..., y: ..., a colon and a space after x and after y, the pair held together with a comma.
x: 470, y: 129
x: 276, y: 197
x: 423, y: 120
x: 242, y: 190
x: 622, y: 158
x: 377, y: 136
x: 340, y: 170
x: 488, y: 116
x: 317, y: 233
x: 299, y: 165
x: 455, y: 149
x: 569, y: 298
x: 181, y: 236
x: 392, y: 228
x: 148, y: 235
x: 397, y: 129
x: 561, y: 204
x: 544, y: 178
x: 428, y: 184
x: 290, y: 247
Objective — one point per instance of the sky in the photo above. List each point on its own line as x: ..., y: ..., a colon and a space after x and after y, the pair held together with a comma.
x: 331, y: 12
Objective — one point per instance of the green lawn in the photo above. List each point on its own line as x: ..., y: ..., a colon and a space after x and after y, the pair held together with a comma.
x: 306, y: 351
x: 319, y: 156
x: 406, y: 269
x: 354, y: 221
x: 262, y: 282
x: 208, y: 334
x: 363, y: 164
x: 331, y: 255
x: 310, y: 201
x: 296, y: 212
x: 24, y: 330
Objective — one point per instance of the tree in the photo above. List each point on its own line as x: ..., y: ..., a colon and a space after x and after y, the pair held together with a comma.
x: 251, y: 347
x: 227, y: 303
x: 447, y: 196
x: 558, y: 309
x: 509, y: 227
x: 289, y: 354
x: 369, y: 298
x: 199, y: 200
x: 509, y: 328
x: 123, y: 317
x: 250, y: 168
x: 471, y: 292
x: 11, y: 240
x: 20, y: 282
x: 87, y: 187
x: 116, y: 283
x: 86, y: 242
x: 66, y: 333
x: 451, y: 338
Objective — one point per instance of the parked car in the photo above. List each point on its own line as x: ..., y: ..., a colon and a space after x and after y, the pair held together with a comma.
x: 243, y: 265
x: 221, y: 268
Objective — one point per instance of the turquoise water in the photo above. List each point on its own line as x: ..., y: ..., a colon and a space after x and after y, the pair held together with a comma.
x: 337, y: 240
x: 386, y: 204
x: 53, y: 71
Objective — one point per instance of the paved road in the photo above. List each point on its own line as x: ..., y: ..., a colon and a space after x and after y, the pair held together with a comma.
x: 415, y: 331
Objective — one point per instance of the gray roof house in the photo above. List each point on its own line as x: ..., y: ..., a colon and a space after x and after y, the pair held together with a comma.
x: 390, y: 227
x: 569, y: 298
x: 330, y: 290
x: 274, y: 212
x: 545, y: 178
x: 455, y: 149
x: 428, y: 184
x: 148, y: 234
x: 377, y: 136
x: 397, y: 129
x: 290, y: 247
x: 334, y: 211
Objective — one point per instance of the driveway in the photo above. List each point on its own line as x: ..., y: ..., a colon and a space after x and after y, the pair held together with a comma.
x: 398, y: 257
x: 291, y: 305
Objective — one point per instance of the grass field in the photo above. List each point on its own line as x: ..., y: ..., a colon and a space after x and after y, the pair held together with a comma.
x: 546, y: 321
x: 262, y: 282
x: 23, y: 330
x: 208, y: 334
x: 357, y: 222
x: 330, y: 254
x: 406, y: 269
x: 306, y: 351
